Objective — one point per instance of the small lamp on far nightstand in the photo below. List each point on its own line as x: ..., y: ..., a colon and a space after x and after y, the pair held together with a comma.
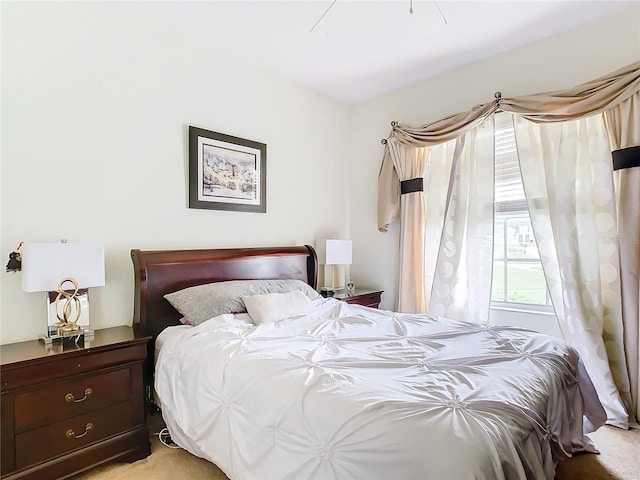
x: 65, y: 271
x: 331, y: 253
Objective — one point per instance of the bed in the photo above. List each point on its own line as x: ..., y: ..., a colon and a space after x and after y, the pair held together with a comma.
x: 319, y: 388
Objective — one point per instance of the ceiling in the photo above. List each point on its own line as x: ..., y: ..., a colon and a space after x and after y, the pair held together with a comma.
x: 360, y: 48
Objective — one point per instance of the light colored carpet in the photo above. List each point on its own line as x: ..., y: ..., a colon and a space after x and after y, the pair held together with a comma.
x: 163, y: 464
x: 619, y: 460
x: 619, y: 457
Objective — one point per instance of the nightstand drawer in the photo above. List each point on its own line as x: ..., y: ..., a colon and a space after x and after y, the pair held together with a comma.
x: 56, y: 439
x: 71, y: 398
x: 78, y: 362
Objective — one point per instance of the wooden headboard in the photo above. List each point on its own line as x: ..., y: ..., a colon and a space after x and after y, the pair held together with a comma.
x: 159, y: 272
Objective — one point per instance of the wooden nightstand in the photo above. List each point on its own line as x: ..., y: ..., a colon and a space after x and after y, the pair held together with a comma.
x: 64, y: 411
x: 362, y: 296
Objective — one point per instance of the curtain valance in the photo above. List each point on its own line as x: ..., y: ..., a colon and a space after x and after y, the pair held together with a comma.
x: 581, y: 101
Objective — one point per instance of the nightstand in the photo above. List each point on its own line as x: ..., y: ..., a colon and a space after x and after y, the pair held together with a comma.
x: 66, y: 410
x: 362, y: 296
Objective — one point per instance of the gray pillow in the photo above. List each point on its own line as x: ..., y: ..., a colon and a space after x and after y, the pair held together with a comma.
x: 202, y: 302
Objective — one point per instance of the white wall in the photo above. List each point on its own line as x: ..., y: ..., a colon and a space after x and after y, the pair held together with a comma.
x: 558, y: 62
x: 96, y: 104
x: 95, y: 108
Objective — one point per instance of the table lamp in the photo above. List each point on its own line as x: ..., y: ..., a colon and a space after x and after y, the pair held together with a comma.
x: 65, y: 271
x: 330, y: 253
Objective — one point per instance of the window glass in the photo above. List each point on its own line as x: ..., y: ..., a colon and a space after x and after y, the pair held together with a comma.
x: 518, y: 277
x: 526, y: 283
x: 520, y: 241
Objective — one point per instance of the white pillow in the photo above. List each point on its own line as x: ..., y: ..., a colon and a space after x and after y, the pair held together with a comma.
x: 202, y: 302
x: 272, y: 307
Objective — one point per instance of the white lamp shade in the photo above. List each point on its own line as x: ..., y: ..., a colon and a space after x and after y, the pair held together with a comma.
x: 334, y: 252
x: 45, y: 264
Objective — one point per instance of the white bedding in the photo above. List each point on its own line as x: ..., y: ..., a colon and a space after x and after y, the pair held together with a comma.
x: 350, y: 392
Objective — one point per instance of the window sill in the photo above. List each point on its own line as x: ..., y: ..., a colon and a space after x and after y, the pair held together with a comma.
x: 514, y: 307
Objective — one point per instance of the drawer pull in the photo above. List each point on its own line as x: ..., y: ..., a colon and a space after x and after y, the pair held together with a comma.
x: 71, y: 434
x: 70, y: 398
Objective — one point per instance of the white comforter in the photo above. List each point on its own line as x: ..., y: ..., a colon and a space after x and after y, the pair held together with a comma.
x: 351, y: 392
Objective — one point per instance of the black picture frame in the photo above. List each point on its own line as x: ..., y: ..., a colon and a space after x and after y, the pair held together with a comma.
x: 226, y: 172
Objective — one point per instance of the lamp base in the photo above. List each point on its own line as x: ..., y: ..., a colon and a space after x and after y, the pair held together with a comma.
x: 331, y: 292
x: 74, y: 338
x: 327, y: 292
x: 47, y: 340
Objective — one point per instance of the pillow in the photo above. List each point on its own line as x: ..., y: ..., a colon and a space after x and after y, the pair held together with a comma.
x: 202, y: 302
x: 272, y: 307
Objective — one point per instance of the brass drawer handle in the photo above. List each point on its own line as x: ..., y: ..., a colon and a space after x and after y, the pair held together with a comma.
x: 71, y: 434
x: 70, y: 398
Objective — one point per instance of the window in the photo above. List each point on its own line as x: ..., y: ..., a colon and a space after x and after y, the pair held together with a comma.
x: 518, y: 278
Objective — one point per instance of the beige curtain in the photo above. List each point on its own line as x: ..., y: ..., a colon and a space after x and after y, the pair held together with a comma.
x: 461, y: 287
x: 623, y: 126
x: 432, y: 134
x: 436, y: 191
x: 598, y: 96
x: 410, y: 165
x: 584, y: 100
x: 568, y: 181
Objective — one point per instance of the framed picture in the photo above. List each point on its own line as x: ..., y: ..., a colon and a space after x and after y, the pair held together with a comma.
x: 226, y: 173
